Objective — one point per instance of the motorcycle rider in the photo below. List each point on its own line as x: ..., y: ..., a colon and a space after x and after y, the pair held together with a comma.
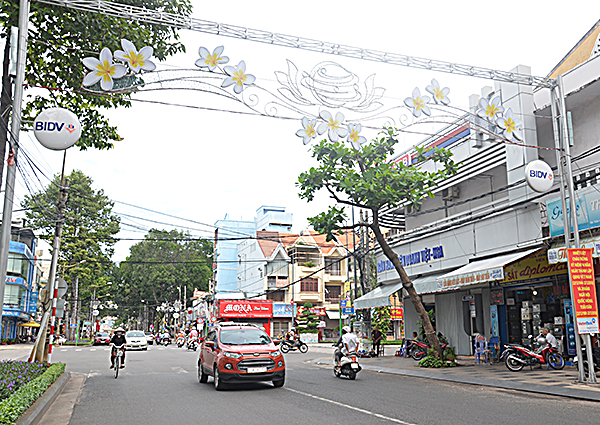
x: 550, y: 338
x: 349, y: 343
x: 193, y: 336
x: 117, y: 339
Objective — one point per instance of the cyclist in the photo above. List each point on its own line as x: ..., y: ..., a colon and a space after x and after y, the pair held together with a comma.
x: 117, y: 340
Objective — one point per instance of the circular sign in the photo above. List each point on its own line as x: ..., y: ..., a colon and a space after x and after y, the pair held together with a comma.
x: 176, y: 315
x: 95, y: 312
x: 57, y: 128
x: 200, y: 320
x: 539, y: 176
x: 213, y: 319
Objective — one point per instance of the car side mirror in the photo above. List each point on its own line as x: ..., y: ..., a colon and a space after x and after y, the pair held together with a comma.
x: 210, y: 344
x: 276, y: 341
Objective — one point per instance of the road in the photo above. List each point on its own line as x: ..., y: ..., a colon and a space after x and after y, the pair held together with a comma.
x: 160, y: 386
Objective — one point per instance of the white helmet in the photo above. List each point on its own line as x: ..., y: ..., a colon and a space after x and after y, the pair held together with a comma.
x: 542, y: 341
x: 346, y: 329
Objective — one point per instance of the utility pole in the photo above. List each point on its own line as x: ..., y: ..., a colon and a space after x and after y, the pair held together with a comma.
x: 15, y: 129
x: 53, y: 287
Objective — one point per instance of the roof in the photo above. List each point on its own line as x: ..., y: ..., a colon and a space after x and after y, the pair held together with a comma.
x: 268, y: 242
x: 585, y: 49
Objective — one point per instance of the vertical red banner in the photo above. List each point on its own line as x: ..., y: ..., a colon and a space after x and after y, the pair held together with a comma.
x: 581, y: 272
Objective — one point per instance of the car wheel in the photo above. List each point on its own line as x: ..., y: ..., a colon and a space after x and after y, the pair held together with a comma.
x: 278, y: 383
x: 217, y: 379
x: 202, y: 377
x: 145, y: 348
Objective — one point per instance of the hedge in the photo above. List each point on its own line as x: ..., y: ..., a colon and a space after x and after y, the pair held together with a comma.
x: 24, y: 397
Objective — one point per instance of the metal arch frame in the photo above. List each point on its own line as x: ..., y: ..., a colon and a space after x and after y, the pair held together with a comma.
x: 233, y: 31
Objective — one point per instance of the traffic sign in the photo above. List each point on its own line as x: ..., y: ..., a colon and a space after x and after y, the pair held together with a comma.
x: 95, y: 312
x: 213, y: 319
x: 200, y: 320
x: 348, y: 311
x: 176, y: 315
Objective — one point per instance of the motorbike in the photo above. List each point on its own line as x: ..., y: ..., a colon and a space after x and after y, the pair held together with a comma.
x: 517, y: 356
x: 595, y: 356
x: 418, y: 349
x: 286, y: 345
x: 180, y: 341
x: 348, y: 367
x: 163, y: 341
x: 192, y: 344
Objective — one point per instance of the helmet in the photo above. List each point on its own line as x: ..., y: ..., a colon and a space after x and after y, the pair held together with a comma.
x: 119, y: 329
x: 542, y: 341
x: 346, y: 329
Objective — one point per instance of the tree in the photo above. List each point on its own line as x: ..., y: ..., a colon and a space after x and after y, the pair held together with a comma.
x: 307, y: 320
x: 381, y: 318
x: 88, y: 240
x: 58, y: 41
x: 163, y: 262
x: 366, y: 178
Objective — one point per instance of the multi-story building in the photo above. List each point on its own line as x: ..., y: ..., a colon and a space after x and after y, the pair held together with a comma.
x: 22, y: 281
x: 478, y: 253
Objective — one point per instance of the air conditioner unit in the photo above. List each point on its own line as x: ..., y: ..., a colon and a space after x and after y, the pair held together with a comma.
x: 450, y: 193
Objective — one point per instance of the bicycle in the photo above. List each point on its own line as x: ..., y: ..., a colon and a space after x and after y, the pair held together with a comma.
x: 118, y: 356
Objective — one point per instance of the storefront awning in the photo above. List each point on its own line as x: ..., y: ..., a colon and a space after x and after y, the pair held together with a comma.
x: 427, y: 284
x: 29, y: 325
x: 378, y: 297
x: 335, y: 315
x: 480, y: 271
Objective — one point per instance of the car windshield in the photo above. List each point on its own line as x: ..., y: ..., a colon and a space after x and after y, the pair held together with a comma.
x: 244, y: 337
x: 134, y: 334
x: 102, y: 334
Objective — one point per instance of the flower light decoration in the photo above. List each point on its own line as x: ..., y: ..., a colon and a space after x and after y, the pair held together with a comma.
x: 354, y: 136
x: 238, y: 77
x: 440, y: 95
x: 490, y: 110
x: 308, y: 131
x: 137, y: 61
x: 211, y: 61
x: 103, y: 70
x: 418, y: 103
x: 511, y: 126
x: 332, y: 126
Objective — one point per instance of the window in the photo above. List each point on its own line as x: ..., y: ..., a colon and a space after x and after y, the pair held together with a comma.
x: 17, y: 264
x: 278, y: 296
x: 271, y: 281
x: 309, y: 285
x: 277, y: 268
x: 333, y: 266
x: 280, y: 327
x: 333, y: 293
x: 15, y: 296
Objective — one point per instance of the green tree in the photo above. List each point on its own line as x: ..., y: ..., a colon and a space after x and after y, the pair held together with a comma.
x: 163, y: 262
x: 381, y: 318
x: 88, y: 232
x: 307, y: 320
x: 58, y: 41
x: 366, y: 178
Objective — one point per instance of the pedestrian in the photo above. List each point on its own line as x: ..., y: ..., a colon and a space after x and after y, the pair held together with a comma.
x: 376, y: 337
x: 415, y: 335
x: 549, y: 337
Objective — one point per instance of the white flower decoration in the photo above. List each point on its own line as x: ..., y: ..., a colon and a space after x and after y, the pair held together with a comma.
x: 354, y: 136
x: 307, y: 132
x: 439, y: 95
x: 418, y: 103
x: 332, y: 126
x: 211, y: 61
x: 103, y: 70
x: 136, y: 60
x: 490, y: 110
x: 511, y: 126
x: 238, y: 76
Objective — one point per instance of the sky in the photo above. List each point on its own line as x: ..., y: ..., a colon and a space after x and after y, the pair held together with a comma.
x: 203, y: 157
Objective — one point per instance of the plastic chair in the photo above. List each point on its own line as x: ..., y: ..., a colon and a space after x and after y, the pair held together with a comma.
x: 481, y: 349
x: 494, y: 348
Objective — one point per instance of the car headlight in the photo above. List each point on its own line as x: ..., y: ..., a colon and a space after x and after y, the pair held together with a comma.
x: 276, y: 353
x: 232, y: 355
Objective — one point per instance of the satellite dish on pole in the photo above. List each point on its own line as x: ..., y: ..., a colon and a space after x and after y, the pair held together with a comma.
x: 57, y: 128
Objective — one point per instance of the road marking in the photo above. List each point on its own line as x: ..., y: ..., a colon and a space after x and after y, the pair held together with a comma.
x: 78, y: 349
x: 179, y: 370
x: 92, y: 349
x: 366, y: 412
x: 63, y: 350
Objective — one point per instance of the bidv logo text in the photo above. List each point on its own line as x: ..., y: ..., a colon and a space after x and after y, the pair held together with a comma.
x: 540, y: 174
x: 53, y: 126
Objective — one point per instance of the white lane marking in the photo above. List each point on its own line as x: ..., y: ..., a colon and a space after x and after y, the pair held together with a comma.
x: 92, y: 349
x: 63, y: 350
x: 179, y: 370
x: 78, y: 349
x: 107, y: 349
x: 366, y: 412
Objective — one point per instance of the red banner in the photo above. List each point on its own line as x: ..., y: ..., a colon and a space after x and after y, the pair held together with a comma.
x: 245, y: 308
x: 397, y: 313
x: 581, y: 270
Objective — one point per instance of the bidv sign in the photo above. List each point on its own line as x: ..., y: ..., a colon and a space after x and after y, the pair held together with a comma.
x: 539, y: 176
x: 57, y: 128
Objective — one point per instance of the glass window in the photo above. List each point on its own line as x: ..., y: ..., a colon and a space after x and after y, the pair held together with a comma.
x: 333, y: 266
x: 333, y: 293
x: 17, y: 264
x: 277, y: 268
x: 15, y: 296
x: 309, y: 285
x: 244, y: 337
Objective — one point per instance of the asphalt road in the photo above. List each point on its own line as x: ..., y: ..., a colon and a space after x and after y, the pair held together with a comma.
x: 160, y: 386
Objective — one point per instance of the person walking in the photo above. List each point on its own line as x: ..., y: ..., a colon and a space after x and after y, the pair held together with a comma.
x: 376, y: 336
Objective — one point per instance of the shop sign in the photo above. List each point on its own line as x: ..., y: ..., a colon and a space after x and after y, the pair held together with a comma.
x: 33, y: 302
x: 531, y: 269
x: 539, y: 176
x: 14, y: 313
x: 397, y: 313
x: 319, y: 311
x: 497, y: 296
x: 14, y: 280
x: 471, y: 278
x: 282, y: 310
x: 417, y: 257
x: 245, y: 308
x: 559, y: 255
x: 581, y: 270
x: 587, y: 207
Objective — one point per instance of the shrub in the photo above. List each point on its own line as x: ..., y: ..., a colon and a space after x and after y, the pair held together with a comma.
x: 432, y: 361
x: 14, y: 374
x: 18, y: 402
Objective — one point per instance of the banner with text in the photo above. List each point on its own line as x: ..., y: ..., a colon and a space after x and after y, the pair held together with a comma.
x: 581, y: 271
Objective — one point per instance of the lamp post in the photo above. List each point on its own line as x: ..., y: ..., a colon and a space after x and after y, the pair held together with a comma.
x: 93, y: 305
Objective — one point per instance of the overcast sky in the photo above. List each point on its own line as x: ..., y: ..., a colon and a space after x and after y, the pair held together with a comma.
x: 184, y: 155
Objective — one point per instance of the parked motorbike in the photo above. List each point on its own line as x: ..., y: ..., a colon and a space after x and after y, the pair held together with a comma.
x: 348, y: 367
x: 287, y: 345
x: 418, y: 349
x: 180, y: 342
x: 518, y: 356
x: 595, y: 356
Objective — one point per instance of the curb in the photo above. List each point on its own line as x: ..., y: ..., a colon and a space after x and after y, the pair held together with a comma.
x: 557, y: 391
x: 37, y: 410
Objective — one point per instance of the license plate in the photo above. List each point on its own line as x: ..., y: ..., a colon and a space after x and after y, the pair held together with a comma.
x: 354, y: 365
x: 257, y: 369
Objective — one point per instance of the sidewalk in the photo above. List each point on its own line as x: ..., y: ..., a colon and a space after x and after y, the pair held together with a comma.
x: 560, y: 383
x: 16, y: 351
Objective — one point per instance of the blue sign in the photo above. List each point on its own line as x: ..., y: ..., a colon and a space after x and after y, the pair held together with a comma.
x: 587, y: 207
x: 282, y: 310
x: 343, y: 303
x: 348, y: 311
x: 423, y: 256
x: 570, y: 328
x: 33, y: 300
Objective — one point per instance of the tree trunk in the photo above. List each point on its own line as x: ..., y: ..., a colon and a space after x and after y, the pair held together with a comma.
x: 5, y: 101
x: 432, y: 338
x: 74, y: 304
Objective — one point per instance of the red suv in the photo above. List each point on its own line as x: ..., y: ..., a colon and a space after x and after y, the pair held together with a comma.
x: 240, y: 352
